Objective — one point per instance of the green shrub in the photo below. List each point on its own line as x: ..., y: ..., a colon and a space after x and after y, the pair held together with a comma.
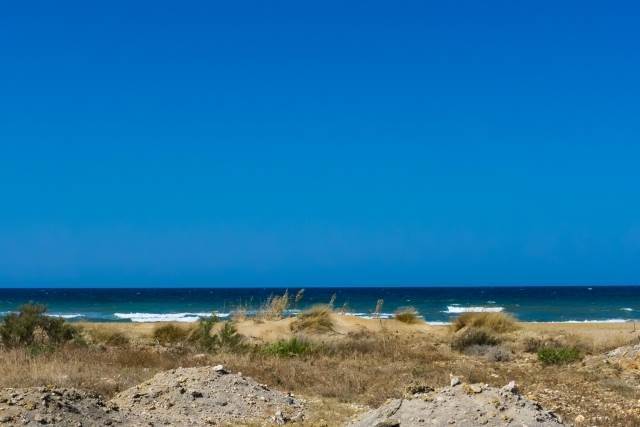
x: 289, y: 348
x: 316, y: 319
x: 473, y: 337
x: 408, y: 315
x: 559, y: 355
x: 227, y: 337
x: 31, y: 327
x: 170, y: 334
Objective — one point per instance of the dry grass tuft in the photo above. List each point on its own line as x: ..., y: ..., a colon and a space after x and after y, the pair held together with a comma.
x: 495, y: 322
x: 274, y: 308
x: 408, y: 315
x: 316, y: 319
x: 171, y: 334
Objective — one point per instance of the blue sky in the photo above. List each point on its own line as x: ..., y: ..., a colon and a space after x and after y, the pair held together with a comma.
x: 299, y: 143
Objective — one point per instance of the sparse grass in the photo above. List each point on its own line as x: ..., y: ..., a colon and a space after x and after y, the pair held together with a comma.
x: 317, y: 319
x: 473, y: 336
x: 170, y: 334
x: 559, y: 355
x: 499, y: 323
x: 408, y: 315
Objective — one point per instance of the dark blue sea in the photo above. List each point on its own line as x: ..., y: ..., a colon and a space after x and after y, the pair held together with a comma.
x: 435, y: 304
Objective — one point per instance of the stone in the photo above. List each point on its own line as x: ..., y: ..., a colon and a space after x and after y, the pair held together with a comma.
x: 454, y: 380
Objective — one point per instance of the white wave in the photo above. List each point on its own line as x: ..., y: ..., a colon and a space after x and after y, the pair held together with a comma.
x: 457, y: 310
x: 165, y: 317
x: 66, y: 316
x: 437, y: 323
x: 626, y: 309
x: 370, y: 315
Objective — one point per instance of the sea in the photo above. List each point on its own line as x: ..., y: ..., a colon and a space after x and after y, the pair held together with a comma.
x: 437, y: 305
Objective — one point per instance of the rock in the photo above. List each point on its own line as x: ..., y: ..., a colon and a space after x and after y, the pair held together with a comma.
x: 579, y: 419
x: 511, y: 388
x: 454, y: 380
x: 220, y: 369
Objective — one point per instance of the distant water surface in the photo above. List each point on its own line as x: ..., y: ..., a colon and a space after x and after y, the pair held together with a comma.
x: 435, y: 304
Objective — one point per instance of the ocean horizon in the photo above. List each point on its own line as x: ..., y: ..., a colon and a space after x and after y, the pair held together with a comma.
x: 436, y: 304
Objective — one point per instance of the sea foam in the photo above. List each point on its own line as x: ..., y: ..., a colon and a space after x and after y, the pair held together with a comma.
x: 165, y: 317
x: 453, y: 309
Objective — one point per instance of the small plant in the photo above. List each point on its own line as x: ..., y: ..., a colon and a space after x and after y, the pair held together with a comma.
x: 299, y: 297
x: 170, y: 334
x: 202, y: 336
x: 332, y: 301
x: 316, y: 319
x: 408, y: 315
x: 293, y: 347
x: 378, y: 310
x: 275, y: 307
x: 31, y: 327
x: 559, y: 355
x: 473, y: 337
x: 496, y: 322
x: 227, y: 336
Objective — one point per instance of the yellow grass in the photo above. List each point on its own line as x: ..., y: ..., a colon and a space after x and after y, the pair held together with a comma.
x: 318, y: 319
x: 494, y: 322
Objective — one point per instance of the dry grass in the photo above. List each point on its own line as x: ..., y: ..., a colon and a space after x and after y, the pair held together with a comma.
x: 171, y: 334
x: 316, y: 319
x: 274, y: 308
x: 408, y: 315
x: 495, y: 322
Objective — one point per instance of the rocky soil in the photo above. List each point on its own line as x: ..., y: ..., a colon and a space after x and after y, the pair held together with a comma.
x: 207, y: 396
x: 467, y: 405
x: 184, y: 397
x: 62, y: 407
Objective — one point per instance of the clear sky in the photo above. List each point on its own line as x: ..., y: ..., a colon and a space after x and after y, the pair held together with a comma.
x: 319, y: 143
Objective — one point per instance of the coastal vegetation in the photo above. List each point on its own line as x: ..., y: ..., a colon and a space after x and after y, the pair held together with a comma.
x: 334, y: 360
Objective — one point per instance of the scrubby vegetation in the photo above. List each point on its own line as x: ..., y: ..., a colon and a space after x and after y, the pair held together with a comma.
x: 559, y: 355
x: 208, y: 337
x: 316, y: 319
x: 473, y: 337
x: 408, y: 315
x: 499, y: 323
x: 170, y: 334
x: 367, y: 364
x: 289, y: 348
x: 30, y: 327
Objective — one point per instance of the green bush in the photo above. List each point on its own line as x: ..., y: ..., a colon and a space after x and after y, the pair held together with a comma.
x: 289, y: 348
x: 31, y: 327
x: 227, y: 337
x: 170, y: 334
x: 559, y: 355
x: 472, y: 337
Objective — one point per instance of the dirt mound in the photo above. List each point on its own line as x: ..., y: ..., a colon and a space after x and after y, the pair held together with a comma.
x: 461, y: 405
x: 207, y: 396
x: 61, y: 407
